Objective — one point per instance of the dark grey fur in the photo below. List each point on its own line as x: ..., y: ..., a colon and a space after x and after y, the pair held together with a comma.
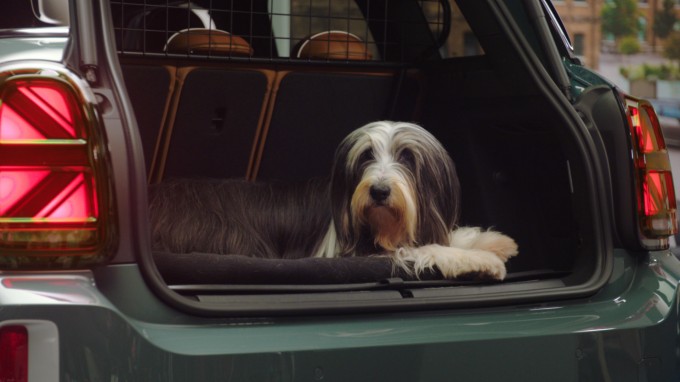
x: 268, y: 220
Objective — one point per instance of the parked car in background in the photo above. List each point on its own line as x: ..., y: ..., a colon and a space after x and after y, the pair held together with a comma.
x: 105, y: 101
x: 668, y: 111
x: 668, y: 107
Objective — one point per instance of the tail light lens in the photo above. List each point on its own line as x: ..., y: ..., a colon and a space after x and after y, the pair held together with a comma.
x: 656, y: 204
x: 55, y: 199
x: 29, y: 350
x: 14, y: 353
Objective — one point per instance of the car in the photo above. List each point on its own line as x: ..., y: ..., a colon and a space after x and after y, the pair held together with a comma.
x: 668, y: 112
x: 666, y: 107
x: 106, y: 102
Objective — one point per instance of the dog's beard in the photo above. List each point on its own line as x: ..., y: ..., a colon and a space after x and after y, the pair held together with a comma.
x: 387, y: 227
x: 391, y: 222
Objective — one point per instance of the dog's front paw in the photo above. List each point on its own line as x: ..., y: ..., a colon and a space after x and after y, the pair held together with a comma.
x: 478, y: 263
x: 501, y: 245
x: 452, y: 262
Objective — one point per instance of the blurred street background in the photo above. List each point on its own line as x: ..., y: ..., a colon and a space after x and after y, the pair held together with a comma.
x: 636, y: 45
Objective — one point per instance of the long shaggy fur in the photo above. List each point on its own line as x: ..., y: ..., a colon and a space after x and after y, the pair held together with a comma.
x: 393, y: 192
x: 236, y: 217
x: 424, y: 191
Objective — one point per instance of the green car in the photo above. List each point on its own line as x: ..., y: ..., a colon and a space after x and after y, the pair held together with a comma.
x: 125, y: 123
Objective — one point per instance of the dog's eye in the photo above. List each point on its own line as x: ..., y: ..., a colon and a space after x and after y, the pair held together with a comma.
x: 366, y: 156
x: 406, y: 157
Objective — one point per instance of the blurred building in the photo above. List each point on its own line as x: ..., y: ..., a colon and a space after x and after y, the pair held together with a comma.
x: 582, y: 19
x: 647, y: 10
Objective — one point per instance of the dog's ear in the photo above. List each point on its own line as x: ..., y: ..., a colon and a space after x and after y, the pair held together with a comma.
x: 343, y: 181
x: 439, y: 196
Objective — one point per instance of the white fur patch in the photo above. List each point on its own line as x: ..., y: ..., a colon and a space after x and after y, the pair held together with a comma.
x: 329, y: 245
x: 475, y: 238
x: 452, y: 262
x: 471, y: 250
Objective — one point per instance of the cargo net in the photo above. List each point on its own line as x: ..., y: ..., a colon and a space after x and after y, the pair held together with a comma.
x: 317, y: 30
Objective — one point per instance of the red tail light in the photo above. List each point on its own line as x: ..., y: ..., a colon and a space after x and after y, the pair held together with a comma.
x: 656, y: 202
x: 54, y: 183
x: 14, y: 353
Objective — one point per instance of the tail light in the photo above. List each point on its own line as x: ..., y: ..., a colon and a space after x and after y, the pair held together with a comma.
x: 29, y: 350
x: 656, y: 204
x: 55, y: 199
x: 14, y: 353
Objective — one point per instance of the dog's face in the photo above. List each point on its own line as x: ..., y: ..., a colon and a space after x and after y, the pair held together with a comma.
x: 393, y: 184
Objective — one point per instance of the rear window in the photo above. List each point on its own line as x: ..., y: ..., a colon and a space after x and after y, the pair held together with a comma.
x: 450, y: 29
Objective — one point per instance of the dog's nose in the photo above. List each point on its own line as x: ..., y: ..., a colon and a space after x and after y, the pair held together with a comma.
x: 379, y: 192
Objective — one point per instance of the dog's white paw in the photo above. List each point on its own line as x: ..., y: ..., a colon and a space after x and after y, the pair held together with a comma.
x: 501, y: 245
x: 452, y: 262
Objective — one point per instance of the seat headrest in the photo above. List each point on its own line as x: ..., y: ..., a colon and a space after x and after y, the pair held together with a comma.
x: 208, y: 41
x: 333, y: 45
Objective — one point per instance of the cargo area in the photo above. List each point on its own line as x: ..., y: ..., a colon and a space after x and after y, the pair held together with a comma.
x: 240, y: 108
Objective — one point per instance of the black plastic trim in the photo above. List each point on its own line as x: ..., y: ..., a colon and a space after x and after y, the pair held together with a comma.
x: 602, y: 111
x: 554, y: 62
x: 393, y: 283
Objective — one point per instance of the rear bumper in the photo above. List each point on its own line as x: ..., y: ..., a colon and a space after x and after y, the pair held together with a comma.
x: 117, y: 330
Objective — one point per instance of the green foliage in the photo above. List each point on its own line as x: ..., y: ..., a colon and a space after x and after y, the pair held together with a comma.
x: 620, y: 18
x: 651, y: 72
x: 665, y: 19
x: 628, y: 45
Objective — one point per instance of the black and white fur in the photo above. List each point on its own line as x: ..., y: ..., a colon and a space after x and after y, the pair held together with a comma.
x: 393, y: 192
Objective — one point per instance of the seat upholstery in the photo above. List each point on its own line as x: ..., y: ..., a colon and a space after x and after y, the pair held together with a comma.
x: 209, y: 42
x: 215, y: 117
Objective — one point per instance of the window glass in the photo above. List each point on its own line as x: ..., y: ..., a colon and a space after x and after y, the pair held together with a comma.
x: 460, y: 40
x: 579, y: 41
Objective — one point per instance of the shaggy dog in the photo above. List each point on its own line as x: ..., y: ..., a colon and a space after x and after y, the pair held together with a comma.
x: 393, y: 192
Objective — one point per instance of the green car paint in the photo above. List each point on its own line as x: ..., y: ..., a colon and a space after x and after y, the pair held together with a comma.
x: 624, y: 333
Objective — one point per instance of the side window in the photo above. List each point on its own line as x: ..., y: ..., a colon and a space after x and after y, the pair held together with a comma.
x: 579, y: 44
x: 460, y: 41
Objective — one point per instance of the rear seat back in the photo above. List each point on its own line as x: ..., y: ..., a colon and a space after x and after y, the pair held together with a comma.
x: 332, y: 45
x: 194, y: 121
x: 312, y: 112
x: 149, y: 88
x: 208, y: 42
x: 228, y: 120
x: 214, y: 122
x: 149, y: 28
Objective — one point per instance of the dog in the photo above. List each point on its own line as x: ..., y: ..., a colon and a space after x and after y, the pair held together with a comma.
x: 393, y: 191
